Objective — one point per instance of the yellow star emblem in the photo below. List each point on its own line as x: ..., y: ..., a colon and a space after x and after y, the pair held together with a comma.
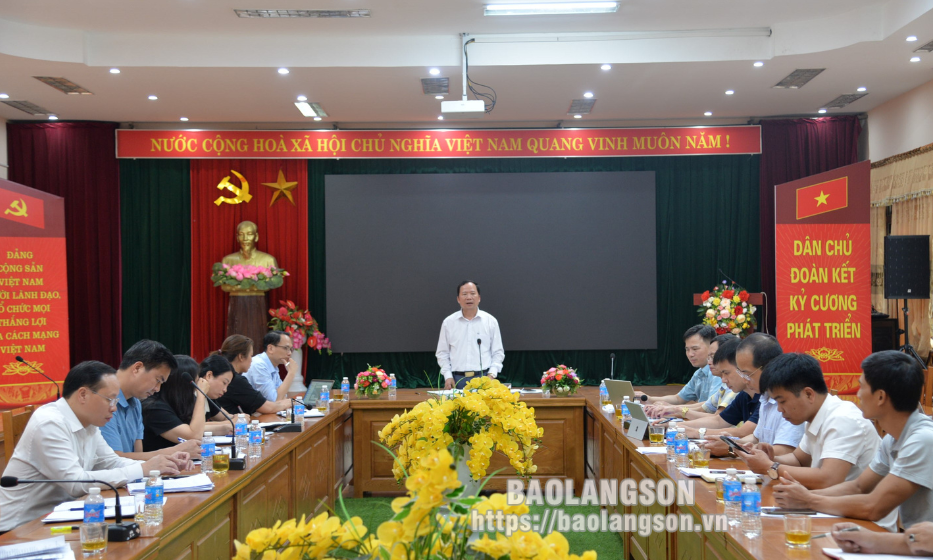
x: 821, y: 199
x: 282, y: 187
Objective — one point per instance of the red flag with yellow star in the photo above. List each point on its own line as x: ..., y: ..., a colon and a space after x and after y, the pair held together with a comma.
x: 822, y: 198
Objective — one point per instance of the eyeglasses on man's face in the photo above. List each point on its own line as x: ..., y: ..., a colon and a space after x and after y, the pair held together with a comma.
x: 112, y: 402
x: 288, y: 349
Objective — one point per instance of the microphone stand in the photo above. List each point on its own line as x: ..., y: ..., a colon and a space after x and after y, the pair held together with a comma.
x: 236, y: 463
x: 116, y: 532
x: 291, y: 427
x: 34, y: 368
x: 612, y: 367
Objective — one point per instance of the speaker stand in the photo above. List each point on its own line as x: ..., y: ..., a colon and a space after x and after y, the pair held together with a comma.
x: 907, y: 348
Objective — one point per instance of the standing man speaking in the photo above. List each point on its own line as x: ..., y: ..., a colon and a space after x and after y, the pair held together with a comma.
x: 470, y: 344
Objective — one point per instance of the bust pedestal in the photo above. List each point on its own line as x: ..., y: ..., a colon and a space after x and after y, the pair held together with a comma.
x: 247, y: 313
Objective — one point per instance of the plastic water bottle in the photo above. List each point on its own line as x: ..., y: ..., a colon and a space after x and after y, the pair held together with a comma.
x: 154, y: 493
x: 207, y: 453
x: 94, y: 506
x: 626, y: 415
x: 240, y: 428
x: 751, y: 508
x: 299, y: 409
x: 603, y: 394
x: 392, y: 385
x: 669, y: 436
x: 681, y: 448
x: 323, y: 403
x: 255, y: 440
x: 345, y: 389
x: 732, y: 496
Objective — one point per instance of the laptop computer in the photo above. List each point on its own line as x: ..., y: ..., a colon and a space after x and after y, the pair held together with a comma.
x: 618, y: 390
x: 314, y: 389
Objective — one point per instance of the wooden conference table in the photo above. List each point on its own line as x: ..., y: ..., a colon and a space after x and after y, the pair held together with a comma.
x: 301, y: 473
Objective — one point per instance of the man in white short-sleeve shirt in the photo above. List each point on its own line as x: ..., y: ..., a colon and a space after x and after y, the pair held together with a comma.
x: 838, y: 443
x: 899, y: 478
x: 469, y: 344
x: 62, y: 441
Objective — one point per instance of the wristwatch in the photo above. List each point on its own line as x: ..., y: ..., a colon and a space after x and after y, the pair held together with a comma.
x: 773, y: 470
x: 684, y: 411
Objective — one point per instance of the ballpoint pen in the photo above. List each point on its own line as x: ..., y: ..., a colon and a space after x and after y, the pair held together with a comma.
x: 846, y: 530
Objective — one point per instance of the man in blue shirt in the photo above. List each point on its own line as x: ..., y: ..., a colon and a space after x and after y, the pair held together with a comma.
x: 145, y: 366
x: 703, y: 384
x: 263, y: 373
x: 739, y: 418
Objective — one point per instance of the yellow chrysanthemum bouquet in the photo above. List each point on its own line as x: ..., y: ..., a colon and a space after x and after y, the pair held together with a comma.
x: 432, y: 522
x: 485, y: 418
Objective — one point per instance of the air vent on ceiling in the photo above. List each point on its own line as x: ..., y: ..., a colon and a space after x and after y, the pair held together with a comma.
x: 925, y: 48
x: 844, y: 100
x: 581, y: 106
x: 435, y: 86
x: 27, y: 107
x: 303, y: 13
x: 798, y: 78
x: 63, y: 85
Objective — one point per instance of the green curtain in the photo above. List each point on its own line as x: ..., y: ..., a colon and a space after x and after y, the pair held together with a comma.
x: 155, y: 216
x: 707, y: 208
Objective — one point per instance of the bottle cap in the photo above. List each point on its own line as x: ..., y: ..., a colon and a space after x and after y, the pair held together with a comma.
x: 751, y: 480
x: 154, y: 473
x: 682, y: 430
x: 208, y: 434
x: 94, y: 491
x: 255, y: 422
x: 731, y: 470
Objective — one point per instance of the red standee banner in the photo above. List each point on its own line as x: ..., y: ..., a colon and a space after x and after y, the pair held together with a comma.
x: 369, y: 144
x: 33, y: 294
x: 823, y: 257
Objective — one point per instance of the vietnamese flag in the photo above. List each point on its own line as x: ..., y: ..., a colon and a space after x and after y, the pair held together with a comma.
x: 22, y: 208
x: 822, y: 198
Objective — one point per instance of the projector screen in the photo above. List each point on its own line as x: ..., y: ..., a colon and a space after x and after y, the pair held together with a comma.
x: 564, y: 261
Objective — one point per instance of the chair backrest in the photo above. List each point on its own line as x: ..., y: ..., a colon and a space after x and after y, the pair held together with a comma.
x: 14, y: 423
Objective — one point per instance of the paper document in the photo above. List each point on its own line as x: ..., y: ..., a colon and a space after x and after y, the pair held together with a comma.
x: 309, y: 413
x: 60, y: 514
x: 838, y: 553
x: 195, y: 483
x: 46, y: 548
x: 653, y: 450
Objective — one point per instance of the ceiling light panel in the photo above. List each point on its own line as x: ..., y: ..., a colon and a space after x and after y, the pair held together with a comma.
x: 63, y: 85
x: 318, y: 14
x: 551, y: 8
x: 311, y: 109
x: 844, y: 100
x: 925, y: 48
x: 27, y: 107
x: 435, y: 86
x: 798, y: 78
x: 581, y: 106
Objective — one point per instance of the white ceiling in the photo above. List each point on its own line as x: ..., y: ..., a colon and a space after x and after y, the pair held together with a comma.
x: 672, y: 60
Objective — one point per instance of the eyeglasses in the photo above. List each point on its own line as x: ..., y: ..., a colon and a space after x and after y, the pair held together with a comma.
x: 110, y: 401
x: 289, y: 348
x: 747, y: 376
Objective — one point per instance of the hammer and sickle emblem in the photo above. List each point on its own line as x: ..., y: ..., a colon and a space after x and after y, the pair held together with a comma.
x: 17, y: 208
x: 242, y: 192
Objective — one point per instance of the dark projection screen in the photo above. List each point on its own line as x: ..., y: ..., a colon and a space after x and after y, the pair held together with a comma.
x: 564, y: 261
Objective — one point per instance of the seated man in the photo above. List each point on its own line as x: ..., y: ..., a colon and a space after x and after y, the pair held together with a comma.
x: 240, y: 395
x: 752, y: 355
x: 899, y: 478
x: 263, y: 372
x: 703, y: 384
x: 145, y: 367
x: 739, y: 418
x: 717, y: 402
x: 62, y: 441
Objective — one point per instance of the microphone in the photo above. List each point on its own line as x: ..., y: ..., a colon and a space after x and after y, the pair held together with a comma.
x: 236, y: 464
x: 479, y: 346
x: 612, y: 367
x: 644, y: 398
x: 116, y: 532
x: 34, y: 368
x: 291, y: 427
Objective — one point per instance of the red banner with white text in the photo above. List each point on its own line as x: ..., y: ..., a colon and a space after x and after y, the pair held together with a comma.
x: 368, y: 144
x: 823, y: 257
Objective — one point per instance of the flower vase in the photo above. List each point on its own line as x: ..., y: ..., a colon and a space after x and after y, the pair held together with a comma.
x: 470, y: 486
x: 375, y: 396
x: 298, y: 383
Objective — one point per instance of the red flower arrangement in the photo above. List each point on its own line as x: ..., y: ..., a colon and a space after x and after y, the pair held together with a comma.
x: 727, y: 310
x: 299, y: 325
x: 372, y: 382
x: 560, y: 380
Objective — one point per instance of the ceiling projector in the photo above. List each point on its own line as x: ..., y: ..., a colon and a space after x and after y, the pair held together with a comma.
x: 463, y: 109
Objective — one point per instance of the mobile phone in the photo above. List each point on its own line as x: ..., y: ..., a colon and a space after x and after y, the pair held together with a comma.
x: 786, y: 511
x: 732, y: 444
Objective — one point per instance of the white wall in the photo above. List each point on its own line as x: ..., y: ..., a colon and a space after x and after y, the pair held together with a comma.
x: 4, y: 161
x: 902, y: 124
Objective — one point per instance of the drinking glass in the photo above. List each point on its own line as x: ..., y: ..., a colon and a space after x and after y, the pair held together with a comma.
x: 797, y: 530
x: 222, y: 460
x: 93, y: 539
x: 656, y: 435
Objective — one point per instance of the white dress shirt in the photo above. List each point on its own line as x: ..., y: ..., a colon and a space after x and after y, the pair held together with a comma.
x: 55, y: 446
x: 457, y: 349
